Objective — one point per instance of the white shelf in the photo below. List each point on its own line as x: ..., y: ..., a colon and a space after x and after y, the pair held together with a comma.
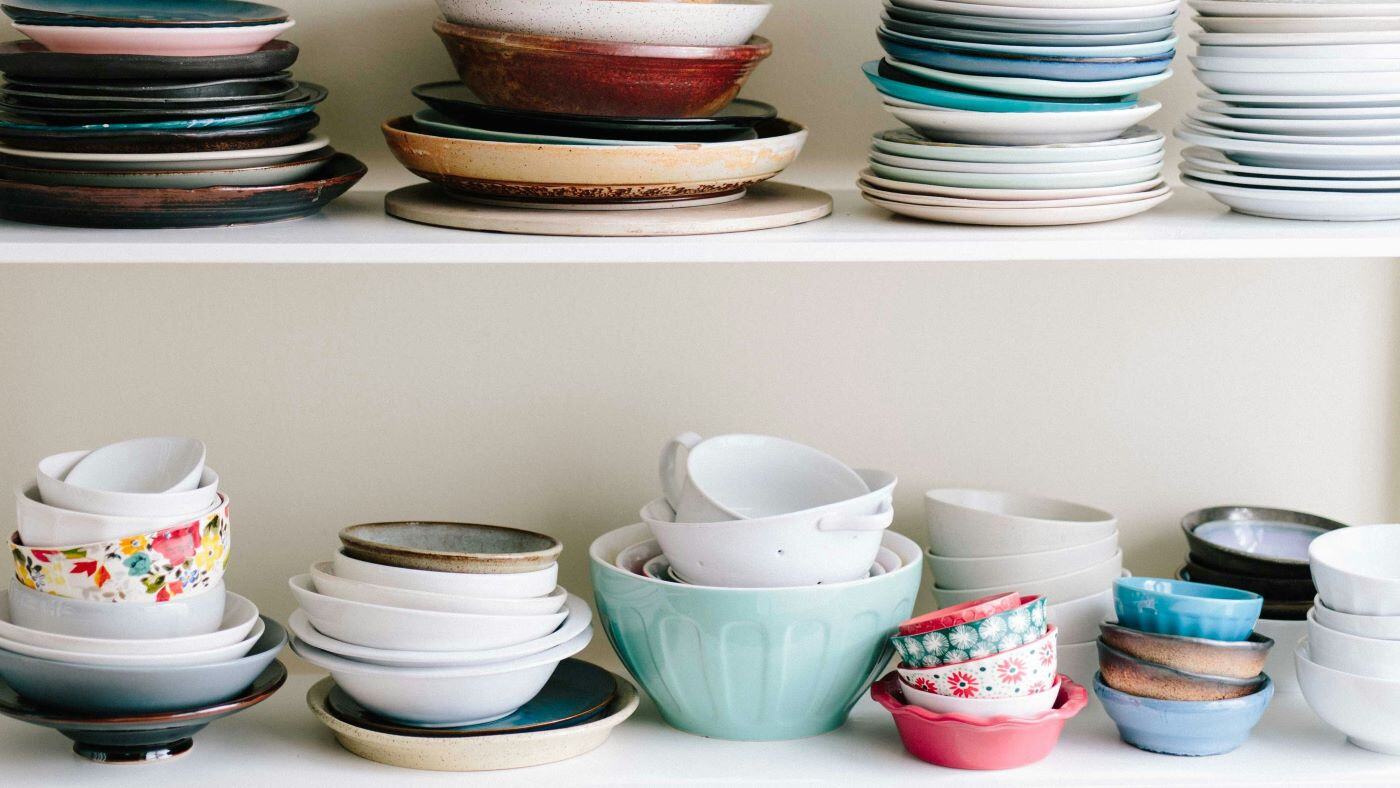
x: 356, y: 230
x: 281, y: 743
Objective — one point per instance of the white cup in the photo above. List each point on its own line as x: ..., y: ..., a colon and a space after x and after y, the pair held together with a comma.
x: 741, y: 477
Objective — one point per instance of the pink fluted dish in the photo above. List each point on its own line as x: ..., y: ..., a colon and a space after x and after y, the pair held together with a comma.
x: 166, y: 41
x: 962, y: 742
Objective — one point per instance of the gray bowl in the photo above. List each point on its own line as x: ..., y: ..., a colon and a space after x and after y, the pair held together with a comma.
x: 1247, y: 539
x: 101, y: 690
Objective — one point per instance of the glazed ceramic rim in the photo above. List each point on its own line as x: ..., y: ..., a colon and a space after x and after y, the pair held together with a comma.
x: 328, y: 568
x: 885, y: 490
x: 220, y: 508
x: 278, y: 15
x: 1238, y: 597
x: 905, y: 688
x: 1228, y: 704
x: 1192, y: 520
x: 313, y: 142
x: 550, y: 554
x: 271, y: 627
x: 322, y: 155
x: 1184, y: 674
x: 336, y: 663
x: 177, y: 33
x: 949, y: 46
x: 756, y: 49
x: 1348, y: 572
x: 305, y: 584
x: 1051, y: 635
x: 1141, y: 134
x: 1117, y: 558
x: 1255, y: 641
x: 77, y: 644
x: 396, y: 126
x: 1085, y: 515
x: 1076, y: 698
x: 964, y: 613
x: 952, y: 559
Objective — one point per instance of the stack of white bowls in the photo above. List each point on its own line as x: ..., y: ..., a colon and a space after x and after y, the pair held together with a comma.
x: 1349, y: 664
x: 1300, y: 118
x: 434, y: 625
x: 754, y: 511
x: 988, y: 542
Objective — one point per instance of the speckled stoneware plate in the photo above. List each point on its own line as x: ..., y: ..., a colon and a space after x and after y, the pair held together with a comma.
x: 272, y: 134
x: 451, y: 547
x: 31, y: 60
x: 475, y: 753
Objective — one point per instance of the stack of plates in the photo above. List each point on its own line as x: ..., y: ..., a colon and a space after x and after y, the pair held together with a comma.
x: 1301, y: 115
x: 159, y: 113
x: 1024, y: 111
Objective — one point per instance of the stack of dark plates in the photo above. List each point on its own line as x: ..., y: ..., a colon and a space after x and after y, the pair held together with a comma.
x: 159, y: 113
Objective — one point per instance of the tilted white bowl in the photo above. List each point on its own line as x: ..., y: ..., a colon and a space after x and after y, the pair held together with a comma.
x: 56, y: 492
x: 1078, y: 619
x: 381, y: 626
x: 439, y: 697
x: 1365, y: 708
x: 41, y: 525
x: 1381, y: 627
x: 623, y: 21
x: 240, y: 618
x: 1352, y: 653
x: 1020, y: 706
x: 326, y: 582
x: 187, y: 659
x: 1074, y: 585
x: 183, y: 616
x: 953, y: 572
x: 142, y: 465
x: 517, y: 585
x: 987, y: 523
x: 1357, y: 569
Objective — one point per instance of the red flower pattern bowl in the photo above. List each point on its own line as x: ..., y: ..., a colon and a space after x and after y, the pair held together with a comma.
x: 1024, y: 670
x: 962, y: 742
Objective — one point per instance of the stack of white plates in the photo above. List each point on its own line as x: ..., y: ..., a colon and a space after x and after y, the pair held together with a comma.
x: 1301, y: 116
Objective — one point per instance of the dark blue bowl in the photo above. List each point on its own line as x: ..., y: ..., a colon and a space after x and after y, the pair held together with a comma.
x: 992, y: 64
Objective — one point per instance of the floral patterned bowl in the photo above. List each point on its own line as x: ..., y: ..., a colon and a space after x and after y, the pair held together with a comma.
x: 962, y: 641
x: 1024, y: 670
x: 148, y: 568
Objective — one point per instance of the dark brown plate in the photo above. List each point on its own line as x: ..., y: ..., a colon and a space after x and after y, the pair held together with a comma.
x: 30, y: 60
x: 95, y: 206
x: 273, y: 90
x: 262, y: 135
x: 307, y: 94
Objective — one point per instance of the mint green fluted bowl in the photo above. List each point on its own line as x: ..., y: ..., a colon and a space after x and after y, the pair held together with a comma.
x: 754, y: 664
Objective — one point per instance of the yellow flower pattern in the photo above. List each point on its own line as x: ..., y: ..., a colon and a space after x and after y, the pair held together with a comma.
x: 133, y: 544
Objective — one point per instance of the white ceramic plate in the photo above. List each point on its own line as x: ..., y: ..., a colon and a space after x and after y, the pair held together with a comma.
x: 1314, y: 101
x: 1344, y: 185
x: 200, y: 160
x: 956, y: 202
x: 211, y: 656
x: 1293, y: 52
x: 326, y: 582
x: 1340, y: 128
x: 1291, y: 8
x: 1045, y: 9
x: 1289, y: 65
x: 876, y: 180
x: 1036, y: 168
x: 1293, y: 139
x: 515, y: 585
x: 1296, y: 39
x: 1206, y: 158
x: 1282, y: 154
x: 1019, y: 128
x: 1305, y: 83
x: 240, y: 616
x: 1118, y: 50
x: 1286, y: 113
x: 1284, y: 26
x: 1039, y: 88
x: 1020, y: 217
x: 987, y: 180
x: 1303, y: 205
x: 1137, y: 141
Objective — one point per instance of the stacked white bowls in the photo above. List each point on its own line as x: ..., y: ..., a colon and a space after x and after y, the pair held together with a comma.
x: 1300, y: 118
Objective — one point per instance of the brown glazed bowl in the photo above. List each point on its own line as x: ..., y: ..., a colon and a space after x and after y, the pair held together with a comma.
x: 1146, y: 679
x: 1242, y: 659
x: 450, y: 547
x: 549, y: 74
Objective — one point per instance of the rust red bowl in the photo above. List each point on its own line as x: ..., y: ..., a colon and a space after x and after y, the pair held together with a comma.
x: 549, y: 74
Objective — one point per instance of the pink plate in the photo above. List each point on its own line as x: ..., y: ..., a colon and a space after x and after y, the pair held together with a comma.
x: 962, y: 742
x: 165, y: 41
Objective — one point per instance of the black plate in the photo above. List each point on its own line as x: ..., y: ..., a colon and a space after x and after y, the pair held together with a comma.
x: 27, y: 59
x: 143, y: 13
x: 216, y: 206
x: 236, y: 87
x: 272, y: 134
x: 457, y: 102
x: 307, y: 94
x: 277, y: 90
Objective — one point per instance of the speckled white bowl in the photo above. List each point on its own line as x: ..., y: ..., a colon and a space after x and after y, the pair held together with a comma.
x: 727, y: 23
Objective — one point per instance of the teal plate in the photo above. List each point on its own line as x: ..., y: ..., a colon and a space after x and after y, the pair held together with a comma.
x: 144, y: 13
x: 911, y: 88
x: 10, y: 122
x: 577, y: 693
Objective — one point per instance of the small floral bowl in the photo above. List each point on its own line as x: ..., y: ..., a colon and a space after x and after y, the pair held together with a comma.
x: 959, y: 741
x: 993, y: 633
x: 1024, y: 670
x: 148, y: 568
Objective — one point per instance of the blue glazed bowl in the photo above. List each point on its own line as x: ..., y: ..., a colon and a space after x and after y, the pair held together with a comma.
x: 996, y: 64
x: 754, y: 664
x: 910, y: 88
x: 1182, y: 727
x: 1180, y: 607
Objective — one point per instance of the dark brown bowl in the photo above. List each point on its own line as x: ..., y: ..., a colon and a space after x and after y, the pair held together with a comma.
x: 549, y: 74
x: 1243, y: 560
x: 1273, y: 589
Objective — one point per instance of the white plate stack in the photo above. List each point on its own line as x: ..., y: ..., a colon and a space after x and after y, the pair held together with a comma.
x: 1300, y: 118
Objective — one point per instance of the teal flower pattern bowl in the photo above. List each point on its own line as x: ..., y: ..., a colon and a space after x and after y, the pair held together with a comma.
x: 992, y: 635
x: 1180, y: 607
x: 752, y: 664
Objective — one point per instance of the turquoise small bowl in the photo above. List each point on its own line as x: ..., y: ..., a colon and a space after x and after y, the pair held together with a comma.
x: 752, y: 664
x: 1180, y: 607
x: 953, y: 98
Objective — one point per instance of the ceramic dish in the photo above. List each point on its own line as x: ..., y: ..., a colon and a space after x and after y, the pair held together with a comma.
x: 1045, y: 9
x: 961, y: 741
x: 969, y: 523
x: 1274, y: 589
x: 88, y: 206
x: 266, y: 175
x: 475, y: 753
x: 239, y: 618
x: 167, y: 161
x: 515, y: 585
x: 1143, y: 679
x: 11, y: 123
x: 1011, y: 128
x: 1304, y: 101
x: 917, y: 200
x: 56, y: 492
x: 596, y: 173
x: 1038, y: 88
x: 306, y: 96
x: 1175, y: 727
x: 910, y: 49
x: 153, y: 661
x: 1297, y: 39
x: 436, y: 123
x: 158, y: 465
x: 964, y: 19
x: 1355, y: 654
x: 384, y: 627
x: 609, y: 79
x: 965, y: 613
x: 979, y: 637
x: 277, y: 133
x: 1254, y: 540
x: 898, y: 83
x: 685, y: 24
x: 1070, y: 585
x: 918, y: 23
x: 139, y: 738
x: 31, y: 60
x: 1287, y: 65
x: 184, y: 616
x: 1172, y: 607
x: 104, y: 690
x: 155, y: 13
x: 155, y: 41
x: 444, y: 697
x: 41, y: 525
x: 1010, y: 671
x: 326, y: 582
x: 982, y: 708
x: 1335, y: 83
x: 1376, y: 627
x: 1012, y: 44
x: 1285, y: 611
x: 1340, y: 128
x: 229, y: 91
x: 1078, y: 620
x: 1312, y: 25
x: 578, y: 617
x: 1291, y: 8
x: 1356, y: 569
x: 1035, y: 169
x: 955, y: 573
x: 1298, y: 52
x: 451, y: 547
x: 1361, y: 707
x: 1207, y: 160
x: 1291, y: 155
x: 904, y: 191
x: 1137, y: 141
x: 958, y: 174
x: 823, y: 672
x: 1238, y: 659
x: 1322, y: 206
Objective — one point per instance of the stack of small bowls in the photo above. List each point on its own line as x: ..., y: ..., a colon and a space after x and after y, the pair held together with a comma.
x: 648, y: 117
x: 149, y: 113
x: 1349, y: 664
x: 1023, y: 112
x: 776, y: 558
x: 1299, y: 118
x: 978, y: 685
x: 1181, y: 672
x: 116, y: 629
x: 1265, y: 551
x: 988, y: 542
x: 449, y: 647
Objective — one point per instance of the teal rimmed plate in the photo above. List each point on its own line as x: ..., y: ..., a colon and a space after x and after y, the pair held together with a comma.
x: 1042, y: 89
x: 909, y: 87
x: 11, y: 122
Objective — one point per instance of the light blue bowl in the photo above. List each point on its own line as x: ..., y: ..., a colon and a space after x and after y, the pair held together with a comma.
x: 1022, y: 65
x: 753, y: 664
x: 954, y: 98
x: 1180, y: 607
x: 1182, y: 727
